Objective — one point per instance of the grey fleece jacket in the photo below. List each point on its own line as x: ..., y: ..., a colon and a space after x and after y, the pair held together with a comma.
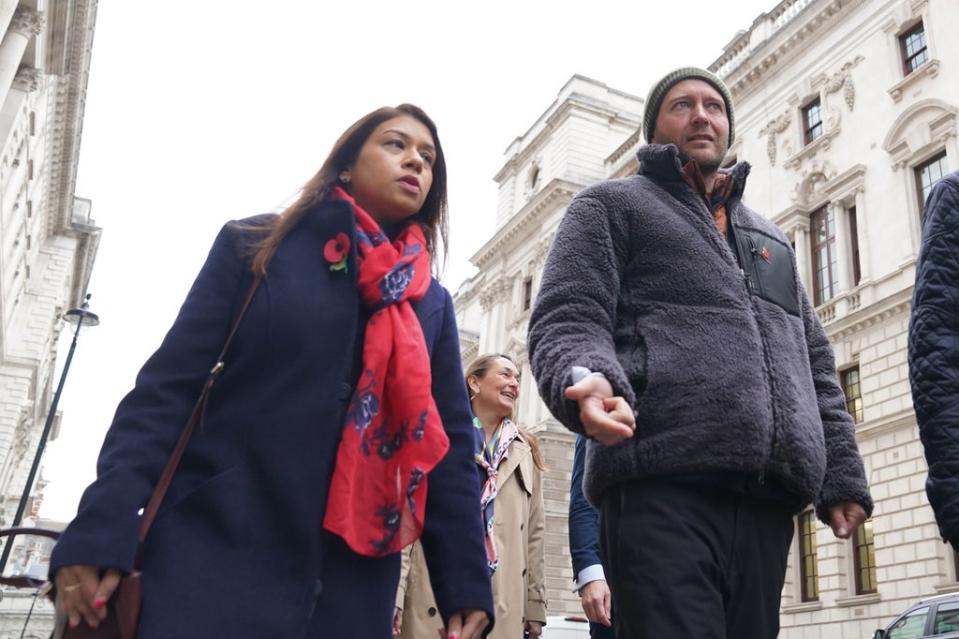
x: 726, y: 368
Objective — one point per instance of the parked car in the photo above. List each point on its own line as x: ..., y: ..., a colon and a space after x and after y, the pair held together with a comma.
x: 931, y: 617
x: 570, y: 627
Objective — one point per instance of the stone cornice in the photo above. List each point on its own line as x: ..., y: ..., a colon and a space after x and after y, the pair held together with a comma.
x: 791, y: 218
x: 557, y: 192
x: 846, y: 184
x: 66, y: 101
x: 905, y: 418
x: 467, y: 291
x: 809, y: 151
x: 940, y: 119
x: 874, y: 313
x: 552, y: 119
x: 628, y: 145
x: 929, y: 68
x: 798, y: 33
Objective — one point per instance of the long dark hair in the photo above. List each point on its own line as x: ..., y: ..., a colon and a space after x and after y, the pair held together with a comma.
x: 432, y: 217
x: 478, y: 368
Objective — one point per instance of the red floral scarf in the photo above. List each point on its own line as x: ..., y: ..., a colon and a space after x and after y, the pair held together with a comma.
x: 393, y: 436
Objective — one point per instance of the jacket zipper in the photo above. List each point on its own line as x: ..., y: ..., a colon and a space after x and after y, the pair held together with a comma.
x: 748, y: 286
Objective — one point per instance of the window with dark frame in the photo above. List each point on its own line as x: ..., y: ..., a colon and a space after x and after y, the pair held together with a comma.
x: 808, y: 566
x: 825, y: 271
x: 854, y: 245
x: 812, y: 121
x: 852, y: 389
x: 527, y: 293
x: 927, y: 174
x: 946, y: 619
x: 912, y: 44
x: 864, y: 558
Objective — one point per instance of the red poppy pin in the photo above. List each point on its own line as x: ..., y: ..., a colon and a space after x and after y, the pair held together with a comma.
x: 764, y: 254
x: 337, y: 251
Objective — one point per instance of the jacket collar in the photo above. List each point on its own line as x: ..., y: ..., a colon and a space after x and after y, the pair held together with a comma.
x: 519, y: 451
x: 661, y: 163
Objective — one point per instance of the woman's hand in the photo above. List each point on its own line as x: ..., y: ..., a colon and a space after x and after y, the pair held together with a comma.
x: 534, y: 629
x: 83, y: 595
x: 466, y: 624
x: 397, y: 621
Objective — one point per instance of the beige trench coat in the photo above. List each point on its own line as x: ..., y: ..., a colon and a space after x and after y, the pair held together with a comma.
x: 519, y: 587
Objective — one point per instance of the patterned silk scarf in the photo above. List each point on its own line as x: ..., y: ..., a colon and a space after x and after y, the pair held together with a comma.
x: 489, y: 456
x: 393, y: 436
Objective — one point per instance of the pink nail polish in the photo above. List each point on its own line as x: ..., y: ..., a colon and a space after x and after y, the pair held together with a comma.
x: 99, y: 603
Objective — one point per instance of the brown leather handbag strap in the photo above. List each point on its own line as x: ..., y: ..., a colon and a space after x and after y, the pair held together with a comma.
x: 159, y: 491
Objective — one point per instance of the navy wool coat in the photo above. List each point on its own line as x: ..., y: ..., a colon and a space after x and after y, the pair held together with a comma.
x: 238, y: 548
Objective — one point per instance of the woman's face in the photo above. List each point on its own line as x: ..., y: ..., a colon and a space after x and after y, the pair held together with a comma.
x: 498, y: 389
x: 393, y: 173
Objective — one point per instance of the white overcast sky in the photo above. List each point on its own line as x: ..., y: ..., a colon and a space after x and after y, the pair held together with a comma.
x: 201, y: 111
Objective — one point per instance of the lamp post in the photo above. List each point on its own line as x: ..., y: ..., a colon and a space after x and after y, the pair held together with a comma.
x: 80, y: 317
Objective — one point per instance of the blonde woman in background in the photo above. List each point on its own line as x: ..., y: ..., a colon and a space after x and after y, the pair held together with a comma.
x: 510, y: 469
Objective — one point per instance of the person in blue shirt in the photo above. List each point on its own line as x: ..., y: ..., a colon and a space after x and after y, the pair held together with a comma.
x: 584, y: 549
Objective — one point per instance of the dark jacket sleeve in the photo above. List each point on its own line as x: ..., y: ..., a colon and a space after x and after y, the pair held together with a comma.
x: 934, y: 352
x: 453, y: 531
x: 149, y: 419
x: 583, y: 518
x: 845, y: 478
x: 573, y: 321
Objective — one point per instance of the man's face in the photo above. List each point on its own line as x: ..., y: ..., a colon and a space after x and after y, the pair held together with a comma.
x: 693, y: 117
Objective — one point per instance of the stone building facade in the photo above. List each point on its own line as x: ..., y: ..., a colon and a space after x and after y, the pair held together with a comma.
x: 577, y: 141
x: 48, y: 241
x: 846, y: 110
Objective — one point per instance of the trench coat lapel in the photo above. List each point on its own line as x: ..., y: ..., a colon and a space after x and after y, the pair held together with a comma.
x: 519, y: 455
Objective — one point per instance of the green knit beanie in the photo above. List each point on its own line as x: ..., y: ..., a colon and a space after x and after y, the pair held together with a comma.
x: 655, y: 98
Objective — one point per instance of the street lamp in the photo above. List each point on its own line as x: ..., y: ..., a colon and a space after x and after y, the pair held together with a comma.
x: 80, y: 317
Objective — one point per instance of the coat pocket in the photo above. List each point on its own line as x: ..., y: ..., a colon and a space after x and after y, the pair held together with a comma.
x: 770, y: 265
x: 524, y: 474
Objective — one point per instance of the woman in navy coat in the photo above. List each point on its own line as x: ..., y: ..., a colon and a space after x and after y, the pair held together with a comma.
x: 242, y: 546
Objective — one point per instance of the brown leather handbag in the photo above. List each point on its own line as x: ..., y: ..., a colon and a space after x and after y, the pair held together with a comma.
x: 123, y: 609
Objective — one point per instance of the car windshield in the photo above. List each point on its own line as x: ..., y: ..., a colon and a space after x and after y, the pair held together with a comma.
x: 911, y: 626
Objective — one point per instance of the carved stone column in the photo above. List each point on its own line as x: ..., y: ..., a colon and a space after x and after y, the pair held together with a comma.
x: 862, y: 226
x: 843, y: 247
x: 25, y: 24
x: 803, y: 257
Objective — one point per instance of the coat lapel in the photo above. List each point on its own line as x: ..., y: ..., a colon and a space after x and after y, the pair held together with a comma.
x: 519, y: 457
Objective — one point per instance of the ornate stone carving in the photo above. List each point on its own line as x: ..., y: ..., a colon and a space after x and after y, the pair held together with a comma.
x: 499, y: 290
x: 27, y: 22
x: 849, y: 93
x: 810, y: 188
x: 772, y: 129
x: 21, y: 438
x: 842, y: 79
x: 542, y: 251
x: 27, y: 79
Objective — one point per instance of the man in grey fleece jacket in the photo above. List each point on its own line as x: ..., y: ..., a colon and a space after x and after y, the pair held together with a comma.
x: 672, y: 329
